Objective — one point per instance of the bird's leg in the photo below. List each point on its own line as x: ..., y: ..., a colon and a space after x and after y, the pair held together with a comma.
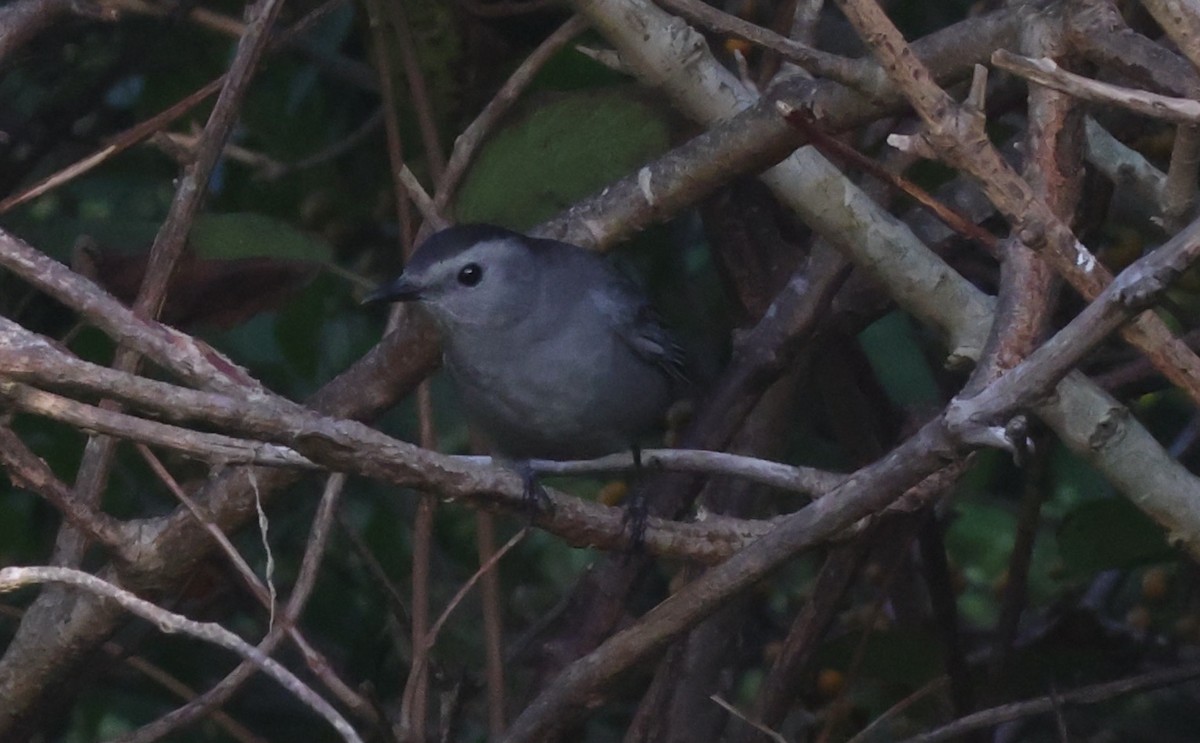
x: 534, y: 497
x: 636, y: 507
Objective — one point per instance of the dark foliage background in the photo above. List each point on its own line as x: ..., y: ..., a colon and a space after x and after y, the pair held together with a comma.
x: 292, y: 235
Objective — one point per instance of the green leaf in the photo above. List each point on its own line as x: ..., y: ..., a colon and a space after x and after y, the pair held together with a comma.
x: 1110, y: 533
x: 559, y: 152
x: 895, y: 354
x: 247, y: 235
x: 571, y: 69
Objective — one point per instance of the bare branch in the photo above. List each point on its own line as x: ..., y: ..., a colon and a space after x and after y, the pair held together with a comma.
x: 958, y: 133
x: 1047, y: 72
x: 206, y: 703
x: 858, y: 74
x: 27, y: 471
x: 869, y: 490
x: 204, y: 446
x: 1086, y: 695
x: 13, y: 578
x: 805, y: 480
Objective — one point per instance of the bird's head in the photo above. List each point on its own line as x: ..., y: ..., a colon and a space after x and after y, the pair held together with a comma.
x: 469, y: 276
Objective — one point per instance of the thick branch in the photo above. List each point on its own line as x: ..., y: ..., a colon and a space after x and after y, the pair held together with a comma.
x: 865, y: 492
x: 958, y: 134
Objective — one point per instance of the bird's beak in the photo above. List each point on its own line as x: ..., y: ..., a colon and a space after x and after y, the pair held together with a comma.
x: 400, y: 289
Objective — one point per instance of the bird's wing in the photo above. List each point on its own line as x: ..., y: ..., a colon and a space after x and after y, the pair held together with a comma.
x: 650, y: 338
x: 640, y: 328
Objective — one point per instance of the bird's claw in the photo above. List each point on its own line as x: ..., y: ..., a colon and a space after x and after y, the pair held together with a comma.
x: 534, y: 497
x: 637, y: 512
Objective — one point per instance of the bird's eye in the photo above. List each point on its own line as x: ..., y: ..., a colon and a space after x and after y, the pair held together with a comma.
x: 470, y: 275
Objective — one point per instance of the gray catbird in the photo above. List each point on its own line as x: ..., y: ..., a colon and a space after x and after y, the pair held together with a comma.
x: 556, y: 353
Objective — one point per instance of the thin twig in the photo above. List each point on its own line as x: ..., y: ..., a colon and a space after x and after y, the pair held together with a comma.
x: 210, y: 447
x: 772, y: 734
x: 193, y: 184
x: 896, y: 709
x: 244, y: 571
x: 415, y: 696
x: 1047, y: 72
x: 418, y: 91
x: 421, y: 198
x: 467, y: 143
x: 504, y: 8
x: 959, y: 136
x: 332, y: 152
x: 797, y: 479
x: 26, y: 470
x: 835, y: 148
x: 12, y: 578
x: 460, y: 594
x: 142, y: 131
x: 236, y: 731
x: 493, y: 625
x: 395, y: 145
x: 131, y: 137
x: 858, y: 74
x: 204, y: 704
x: 205, y: 447
x: 400, y: 610
x: 1085, y: 695
x: 265, y: 592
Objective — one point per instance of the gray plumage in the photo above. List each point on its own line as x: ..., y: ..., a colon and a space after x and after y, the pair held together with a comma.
x: 556, y: 354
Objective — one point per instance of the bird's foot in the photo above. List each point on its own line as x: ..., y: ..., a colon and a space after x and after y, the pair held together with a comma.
x: 637, y: 512
x: 534, y: 497
x: 637, y: 508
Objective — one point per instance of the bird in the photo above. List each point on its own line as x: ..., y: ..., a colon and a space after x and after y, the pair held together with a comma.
x: 555, y: 352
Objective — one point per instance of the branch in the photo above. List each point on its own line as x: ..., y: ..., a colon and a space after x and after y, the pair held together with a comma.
x: 1181, y: 21
x: 1098, y: 31
x: 209, y: 447
x: 21, y: 21
x: 1085, y: 695
x: 1047, y: 72
x: 27, y: 471
x: 1125, y: 167
x: 189, y: 193
x: 194, y: 361
x: 341, y: 445
x: 212, y: 699
x: 13, y: 578
x: 143, y: 130
x: 859, y: 74
x: 958, y: 134
x: 867, y: 491
x: 736, y: 144
x: 804, y: 480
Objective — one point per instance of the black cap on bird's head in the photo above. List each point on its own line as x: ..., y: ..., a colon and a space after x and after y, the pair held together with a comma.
x: 437, y: 247
x: 470, y: 275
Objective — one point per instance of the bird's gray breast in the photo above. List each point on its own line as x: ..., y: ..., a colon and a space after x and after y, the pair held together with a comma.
x: 558, y: 385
